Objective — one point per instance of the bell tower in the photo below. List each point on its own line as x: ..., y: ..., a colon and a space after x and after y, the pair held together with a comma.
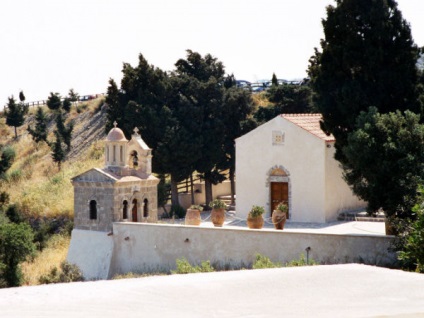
x: 116, y: 150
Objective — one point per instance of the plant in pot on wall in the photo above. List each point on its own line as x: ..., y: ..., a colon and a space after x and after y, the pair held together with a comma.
x: 218, y: 212
x: 279, y: 215
x: 254, y: 218
x: 193, y: 215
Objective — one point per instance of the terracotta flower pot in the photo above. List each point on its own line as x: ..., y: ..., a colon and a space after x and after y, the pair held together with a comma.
x: 192, y: 217
x: 218, y: 217
x: 279, y: 219
x: 255, y: 222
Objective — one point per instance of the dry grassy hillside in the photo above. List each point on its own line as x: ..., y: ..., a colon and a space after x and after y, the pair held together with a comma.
x: 34, y: 182
x: 38, y: 188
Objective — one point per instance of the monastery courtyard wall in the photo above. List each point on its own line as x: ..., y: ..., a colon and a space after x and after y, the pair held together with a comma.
x: 142, y: 247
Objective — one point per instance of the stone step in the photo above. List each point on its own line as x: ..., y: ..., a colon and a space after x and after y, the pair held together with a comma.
x: 361, y: 216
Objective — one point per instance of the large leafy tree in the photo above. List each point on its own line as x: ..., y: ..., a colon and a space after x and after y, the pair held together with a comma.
x: 148, y: 100
x: 115, y: 111
x: 200, y: 82
x: 368, y: 58
x: 286, y: 99
x: 237, y: 120
x: 179, y: 115
x: 16, y: 243
x: 15, y: 112
x: 386, y: 160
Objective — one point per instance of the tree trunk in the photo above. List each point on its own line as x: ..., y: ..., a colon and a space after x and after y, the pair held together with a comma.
x: 191, y: 189
x: 208, y: 193
x: 16, y: 133
x: 233, y: 185
x: 174, y: 192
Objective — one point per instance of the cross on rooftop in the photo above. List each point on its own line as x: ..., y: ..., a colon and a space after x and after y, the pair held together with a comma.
x: 136, y: 131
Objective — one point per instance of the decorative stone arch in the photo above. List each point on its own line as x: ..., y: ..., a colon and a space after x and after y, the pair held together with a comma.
x: 125, y: 209
x: 134, y: 209
x: 134, y: 159
x: 279, y: 174
x: 146, y: 209
x: 143, y: 206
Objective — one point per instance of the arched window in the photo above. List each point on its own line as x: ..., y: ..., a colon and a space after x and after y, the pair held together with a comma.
x: 146, y: 208
x: 134, y: 211
x: 114, y: 153
x: 93, y: 210
x: 134, y: 158
x: 125, y: 210
x: 121, y: 153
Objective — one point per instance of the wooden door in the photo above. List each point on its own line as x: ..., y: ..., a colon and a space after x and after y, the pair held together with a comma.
x: 279, y: 193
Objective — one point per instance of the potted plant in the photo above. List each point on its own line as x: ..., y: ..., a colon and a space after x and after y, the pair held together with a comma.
x: 218, y: 212
x: 193, y: 215
x: 279, y: 215
x: 254, y: 218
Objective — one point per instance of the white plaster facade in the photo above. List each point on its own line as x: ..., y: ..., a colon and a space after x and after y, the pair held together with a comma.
x: 292, y: 149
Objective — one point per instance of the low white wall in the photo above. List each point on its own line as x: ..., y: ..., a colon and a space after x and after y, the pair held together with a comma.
x: 155, y: 247
x: 92, y: 252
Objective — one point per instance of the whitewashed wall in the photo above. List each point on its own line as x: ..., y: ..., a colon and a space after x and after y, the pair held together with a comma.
x: 141, y: 247
x: 339, y: 197
x: 302, y: 155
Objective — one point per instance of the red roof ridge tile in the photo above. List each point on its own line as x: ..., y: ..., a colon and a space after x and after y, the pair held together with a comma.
x: 310, y: 123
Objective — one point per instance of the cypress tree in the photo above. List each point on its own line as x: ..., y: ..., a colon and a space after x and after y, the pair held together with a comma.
x: 368, y: 58
x: 58, y: 153
x: 40, y: 132
x: 54, y: 101
x: 15, y: 114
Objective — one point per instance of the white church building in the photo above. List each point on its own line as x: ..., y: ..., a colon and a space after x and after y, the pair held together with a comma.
x: 291, y: 159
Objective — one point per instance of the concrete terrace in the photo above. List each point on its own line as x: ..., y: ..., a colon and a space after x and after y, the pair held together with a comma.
x: 337, y: 227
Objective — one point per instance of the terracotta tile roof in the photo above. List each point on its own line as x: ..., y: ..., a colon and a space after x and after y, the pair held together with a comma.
x: 309, y: 122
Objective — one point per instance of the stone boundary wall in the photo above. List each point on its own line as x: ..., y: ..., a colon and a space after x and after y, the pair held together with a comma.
x: 155, y: 247
x: 141, y: 247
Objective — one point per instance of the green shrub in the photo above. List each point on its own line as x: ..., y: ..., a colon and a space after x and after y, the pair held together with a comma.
x: 184, y: 267
x: 217, y: 204
x: 264, y: 262
x: 6, y: 159
x: 177, y: 211
x: 301, y: 262
x: 81, y: 107
x: 411, y: 238
x: 14, y: 175
x: 16, y: 244
x: 68, y: 273
x: 256, y: 211
x: 4, y: 199
x: 196, y: 207
x: 14, y: 214
x: 96, y: 151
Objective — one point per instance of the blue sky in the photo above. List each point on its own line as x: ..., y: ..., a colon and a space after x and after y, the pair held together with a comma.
x: 55, y: 45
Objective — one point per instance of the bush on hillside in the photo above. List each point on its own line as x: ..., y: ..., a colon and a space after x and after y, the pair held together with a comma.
x: 67, y: 273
